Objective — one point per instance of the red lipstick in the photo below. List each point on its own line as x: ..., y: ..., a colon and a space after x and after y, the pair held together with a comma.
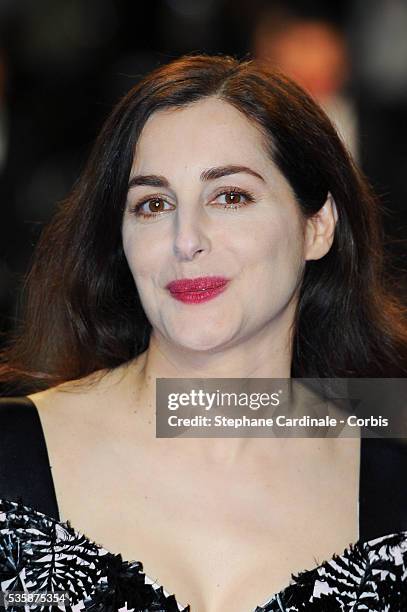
x: 197, y: 290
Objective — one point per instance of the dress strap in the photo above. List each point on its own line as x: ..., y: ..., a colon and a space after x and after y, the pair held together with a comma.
x: 382, y: 487
x: 25, y: 472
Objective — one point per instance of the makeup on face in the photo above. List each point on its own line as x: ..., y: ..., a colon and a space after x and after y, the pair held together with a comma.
x: 212, y: 232
x: 197, y: 290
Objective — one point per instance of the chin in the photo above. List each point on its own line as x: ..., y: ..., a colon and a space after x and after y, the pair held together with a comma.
x: 200, y: 338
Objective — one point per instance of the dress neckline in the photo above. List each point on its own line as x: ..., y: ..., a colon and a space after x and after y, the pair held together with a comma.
x: 382, y: 504
x: 148, y: 580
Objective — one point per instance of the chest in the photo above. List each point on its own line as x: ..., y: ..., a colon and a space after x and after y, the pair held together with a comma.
x: 219, y: 539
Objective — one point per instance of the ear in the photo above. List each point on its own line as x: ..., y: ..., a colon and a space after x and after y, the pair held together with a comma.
x: 320, y: 229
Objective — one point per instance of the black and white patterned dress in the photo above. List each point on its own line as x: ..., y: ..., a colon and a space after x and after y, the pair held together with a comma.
x: 40, y: 554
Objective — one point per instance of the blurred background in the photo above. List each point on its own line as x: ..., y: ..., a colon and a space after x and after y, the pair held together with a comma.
x: 64, y: 64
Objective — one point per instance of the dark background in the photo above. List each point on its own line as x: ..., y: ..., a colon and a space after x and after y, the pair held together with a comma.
x: 64, y: 63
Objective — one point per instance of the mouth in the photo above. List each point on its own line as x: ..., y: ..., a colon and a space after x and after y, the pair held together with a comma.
x: 197, y: 290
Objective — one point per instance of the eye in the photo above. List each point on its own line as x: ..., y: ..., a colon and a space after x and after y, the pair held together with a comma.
x: 154, y: 206
x: 233, y: 198
x: 150, y: 208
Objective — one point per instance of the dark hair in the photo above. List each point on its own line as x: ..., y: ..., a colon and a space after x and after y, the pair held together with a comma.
x: 82, y: 310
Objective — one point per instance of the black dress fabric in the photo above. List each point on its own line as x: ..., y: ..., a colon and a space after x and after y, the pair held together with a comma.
x: 40, y: 553
x: 24, y: 464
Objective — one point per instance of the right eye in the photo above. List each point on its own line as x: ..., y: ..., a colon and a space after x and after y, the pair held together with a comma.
x: 150, y: 207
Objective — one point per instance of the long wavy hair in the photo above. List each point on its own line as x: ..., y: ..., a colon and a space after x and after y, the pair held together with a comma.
x: 82, y: 310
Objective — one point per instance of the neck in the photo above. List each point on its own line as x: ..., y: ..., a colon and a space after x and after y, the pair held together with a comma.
x: 258, y: 357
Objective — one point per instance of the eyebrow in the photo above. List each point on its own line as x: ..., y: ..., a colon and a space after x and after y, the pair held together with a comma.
x: 156, y: 180
x: 215, y: 173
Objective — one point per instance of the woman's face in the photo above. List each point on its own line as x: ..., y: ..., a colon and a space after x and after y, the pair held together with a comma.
x: 205, y: 200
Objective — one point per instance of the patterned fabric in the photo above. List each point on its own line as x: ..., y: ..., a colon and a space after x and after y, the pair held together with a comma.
x: 40, y: 554
x: 368, y: 576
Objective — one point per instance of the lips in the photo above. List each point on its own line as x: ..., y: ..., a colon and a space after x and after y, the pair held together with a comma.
x: 186, y: 285
x: 194, y: 290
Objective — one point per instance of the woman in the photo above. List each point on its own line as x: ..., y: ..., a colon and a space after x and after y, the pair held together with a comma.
x: 219, y: 230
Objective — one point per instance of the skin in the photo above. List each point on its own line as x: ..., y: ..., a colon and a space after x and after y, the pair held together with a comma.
x: 240, y: 333
x: 195, y: 235
x: 198, y: 500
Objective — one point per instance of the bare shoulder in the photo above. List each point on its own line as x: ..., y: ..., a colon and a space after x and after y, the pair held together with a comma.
x: 78, y: 416
x: 87, y: 392
x: 71, y: 394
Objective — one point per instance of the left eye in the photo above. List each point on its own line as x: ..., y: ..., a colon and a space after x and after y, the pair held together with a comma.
x: 233, y: 199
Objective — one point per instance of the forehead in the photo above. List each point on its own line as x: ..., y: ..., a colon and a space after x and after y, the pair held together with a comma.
x: 206, y: 133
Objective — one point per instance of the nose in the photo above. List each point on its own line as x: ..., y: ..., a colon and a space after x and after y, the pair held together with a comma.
x: 191, y: 238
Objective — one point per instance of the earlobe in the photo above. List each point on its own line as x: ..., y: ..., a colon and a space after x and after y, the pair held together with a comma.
x: 320, y: 230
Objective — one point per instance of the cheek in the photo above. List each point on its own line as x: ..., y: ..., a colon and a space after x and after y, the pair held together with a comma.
x: 142, y: 253
x: 276, y: 270
x: 278, y: 246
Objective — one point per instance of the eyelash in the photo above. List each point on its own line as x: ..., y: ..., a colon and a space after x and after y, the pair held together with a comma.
x: 136, y: 209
